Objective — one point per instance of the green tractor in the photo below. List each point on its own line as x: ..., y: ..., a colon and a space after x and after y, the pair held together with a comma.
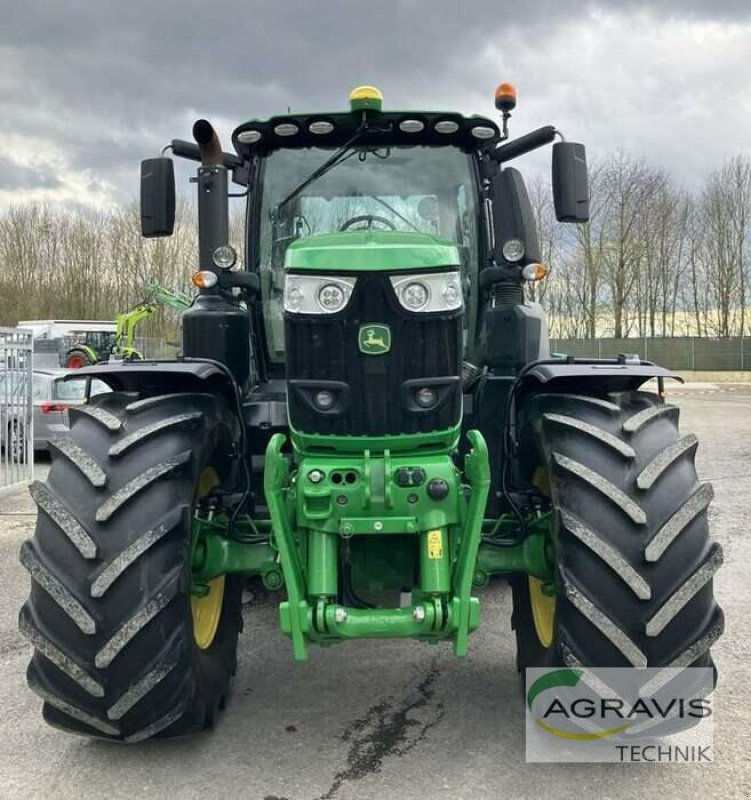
x: 365, y: 418
x: 99, y: 346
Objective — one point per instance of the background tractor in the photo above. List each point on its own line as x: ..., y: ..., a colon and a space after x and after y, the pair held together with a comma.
x: 367, y: 417
x: 96, y: 346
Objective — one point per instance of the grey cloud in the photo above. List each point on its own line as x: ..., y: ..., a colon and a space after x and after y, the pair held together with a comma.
x: 17, y: 177
x: 111, y: 81
x: 137, y: 57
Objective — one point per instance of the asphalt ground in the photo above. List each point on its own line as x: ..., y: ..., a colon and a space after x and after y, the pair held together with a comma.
x: 396, y: 720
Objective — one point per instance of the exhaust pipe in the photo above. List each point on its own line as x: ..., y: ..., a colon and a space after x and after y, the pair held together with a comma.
x: 208, y: 144
x: 213, y: 204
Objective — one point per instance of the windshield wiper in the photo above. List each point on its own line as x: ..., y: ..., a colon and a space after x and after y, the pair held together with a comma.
x: 395, y: 212
x: 342, y: 154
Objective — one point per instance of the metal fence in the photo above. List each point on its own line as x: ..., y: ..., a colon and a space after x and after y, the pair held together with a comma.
x: 48, y: 353
x: 680, y: 353
x: 16, y: 410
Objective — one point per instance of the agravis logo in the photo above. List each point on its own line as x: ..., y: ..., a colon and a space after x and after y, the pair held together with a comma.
x: 586, y: 708
x: 604, y: 708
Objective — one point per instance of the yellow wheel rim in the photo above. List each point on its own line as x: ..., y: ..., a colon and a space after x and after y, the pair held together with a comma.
x: 543, y: 605
x: 543, y: 611
x: 207, y: 610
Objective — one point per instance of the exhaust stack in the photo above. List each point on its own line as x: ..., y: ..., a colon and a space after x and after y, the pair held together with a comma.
x: 213, y: 210
x: 208, y: 143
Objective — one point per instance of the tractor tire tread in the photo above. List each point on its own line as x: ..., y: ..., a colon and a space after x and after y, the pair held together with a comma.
x: 635, y: 562
x: 108, y: 614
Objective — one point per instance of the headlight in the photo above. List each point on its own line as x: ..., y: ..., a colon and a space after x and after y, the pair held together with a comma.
x: 225, y: 257
x: 483, y: 132
x: 316, y: 294
x: 286, y: 129
x: 411, y: 125
x: 414, y: 295
x: 439, y: 291
x: 293, y: 298
x: 321, y: 127
x: 331, y: 297
x: 452, y: 293
x: 513, y: 250
x: 249, y: 137
x: 426, y: 397
x: 446, y: 126
x: 324, y: 399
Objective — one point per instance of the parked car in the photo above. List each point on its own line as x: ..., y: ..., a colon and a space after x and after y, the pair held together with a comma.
x: 51, y: 397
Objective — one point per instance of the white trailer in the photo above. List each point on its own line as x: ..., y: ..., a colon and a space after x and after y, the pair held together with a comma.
x: 60, y: 328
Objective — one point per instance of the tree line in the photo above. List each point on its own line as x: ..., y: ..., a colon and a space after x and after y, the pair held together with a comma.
x: 59, y: 264
x: 654, y: 260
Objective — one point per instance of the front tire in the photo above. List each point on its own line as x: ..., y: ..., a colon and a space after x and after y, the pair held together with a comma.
x: 634, y: 560
x: 109, y: 614
x: 77, y: 359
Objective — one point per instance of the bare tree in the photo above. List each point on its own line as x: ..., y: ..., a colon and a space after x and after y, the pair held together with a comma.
x: 629, y: 186
x: 725, y: 215
x: 578, y: 279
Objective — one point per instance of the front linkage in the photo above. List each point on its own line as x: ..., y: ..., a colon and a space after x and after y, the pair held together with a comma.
x: 325, y: 501
x: 321, y: 504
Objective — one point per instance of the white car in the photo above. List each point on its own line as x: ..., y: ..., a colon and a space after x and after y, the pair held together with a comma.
x: 51, y: 397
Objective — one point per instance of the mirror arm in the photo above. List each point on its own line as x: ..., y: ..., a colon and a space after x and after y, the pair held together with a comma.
x: 525, y: 144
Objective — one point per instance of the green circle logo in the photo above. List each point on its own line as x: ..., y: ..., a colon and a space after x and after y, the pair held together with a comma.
x: 560, y: 679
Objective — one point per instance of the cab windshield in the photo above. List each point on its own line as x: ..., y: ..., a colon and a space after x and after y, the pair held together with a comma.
x: 402, y: 188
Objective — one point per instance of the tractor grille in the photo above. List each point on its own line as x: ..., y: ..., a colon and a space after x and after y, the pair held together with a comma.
x: 375, y: 393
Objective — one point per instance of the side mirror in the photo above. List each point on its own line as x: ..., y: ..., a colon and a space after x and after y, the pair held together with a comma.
x: 513, y: 217
x: 157, y: 197
x: 570, y: 182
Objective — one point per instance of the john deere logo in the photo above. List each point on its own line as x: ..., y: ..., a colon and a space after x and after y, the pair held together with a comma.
x: 374, y: 340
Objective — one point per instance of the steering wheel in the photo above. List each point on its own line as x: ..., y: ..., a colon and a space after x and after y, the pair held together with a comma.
x: 370, y: 219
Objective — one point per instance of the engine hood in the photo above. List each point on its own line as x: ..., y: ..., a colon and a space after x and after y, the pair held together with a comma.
x: 372, y: 251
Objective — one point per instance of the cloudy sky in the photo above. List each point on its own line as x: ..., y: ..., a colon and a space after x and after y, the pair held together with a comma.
x: 89, y: 87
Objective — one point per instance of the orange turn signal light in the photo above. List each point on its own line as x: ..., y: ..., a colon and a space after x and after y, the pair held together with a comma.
x: 505, y: 97
x: 534, y: 272
x: 204, y: 279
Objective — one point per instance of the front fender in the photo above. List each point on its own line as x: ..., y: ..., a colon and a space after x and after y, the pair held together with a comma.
x: 163, y: 377
x: 614, y: 375
x: 575, y: 376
